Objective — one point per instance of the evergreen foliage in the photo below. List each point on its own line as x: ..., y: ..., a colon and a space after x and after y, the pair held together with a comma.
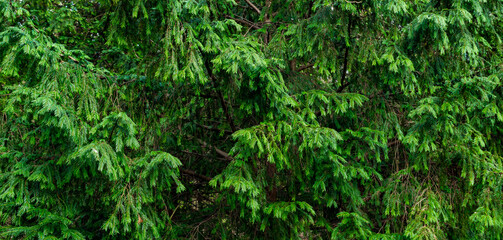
x: 251, y: 119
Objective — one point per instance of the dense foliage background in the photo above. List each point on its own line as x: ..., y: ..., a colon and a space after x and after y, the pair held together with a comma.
x: 369, y: 119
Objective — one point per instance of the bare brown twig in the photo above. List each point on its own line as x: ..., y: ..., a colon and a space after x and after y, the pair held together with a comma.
x: 253, y: 6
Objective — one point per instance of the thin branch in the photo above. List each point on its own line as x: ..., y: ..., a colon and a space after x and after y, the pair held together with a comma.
x: 194, y: 174
x: 213, y: 129
x: 221, y: 97
x: 217, y: 150
x: 305, y: 67
x: 209, y: 96
x: 205, y: 156
x: 343, y: 86
x: 244, y: 21
x: 267, y: 20
x: 226, y: 111
x: 345, y: 66
x: 128, y: 82
x: 253, y: 6
x: 395, y: 142
x: 73, y: 59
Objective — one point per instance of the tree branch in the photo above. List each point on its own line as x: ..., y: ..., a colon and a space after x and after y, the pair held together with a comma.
x: 206, y: 96
x: 305, y: 67
x: 194, y: 174
x: 226, y: 111
x: 392, y: 143
x: 346, y: 53
x: 206, y: 156
x: 213, y: 129
x: 221, y: 97
x: 267, y: 20
x: 128, y: 82
x: 244, y: 21
x: 218, y: 151
x: 253, y: 6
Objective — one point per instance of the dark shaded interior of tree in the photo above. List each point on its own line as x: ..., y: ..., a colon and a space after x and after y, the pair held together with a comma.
x: 251, y: 119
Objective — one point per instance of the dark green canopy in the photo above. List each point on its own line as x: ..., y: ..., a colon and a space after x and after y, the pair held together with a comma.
x: 251, y: 119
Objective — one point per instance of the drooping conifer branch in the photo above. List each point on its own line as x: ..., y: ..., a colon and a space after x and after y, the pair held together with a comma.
x: 95, y: 95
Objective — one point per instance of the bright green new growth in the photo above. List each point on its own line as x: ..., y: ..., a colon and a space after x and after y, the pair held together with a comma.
x: 251, y: 119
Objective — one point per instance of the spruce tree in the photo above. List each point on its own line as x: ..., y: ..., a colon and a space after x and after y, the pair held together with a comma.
x: 251, y: 119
